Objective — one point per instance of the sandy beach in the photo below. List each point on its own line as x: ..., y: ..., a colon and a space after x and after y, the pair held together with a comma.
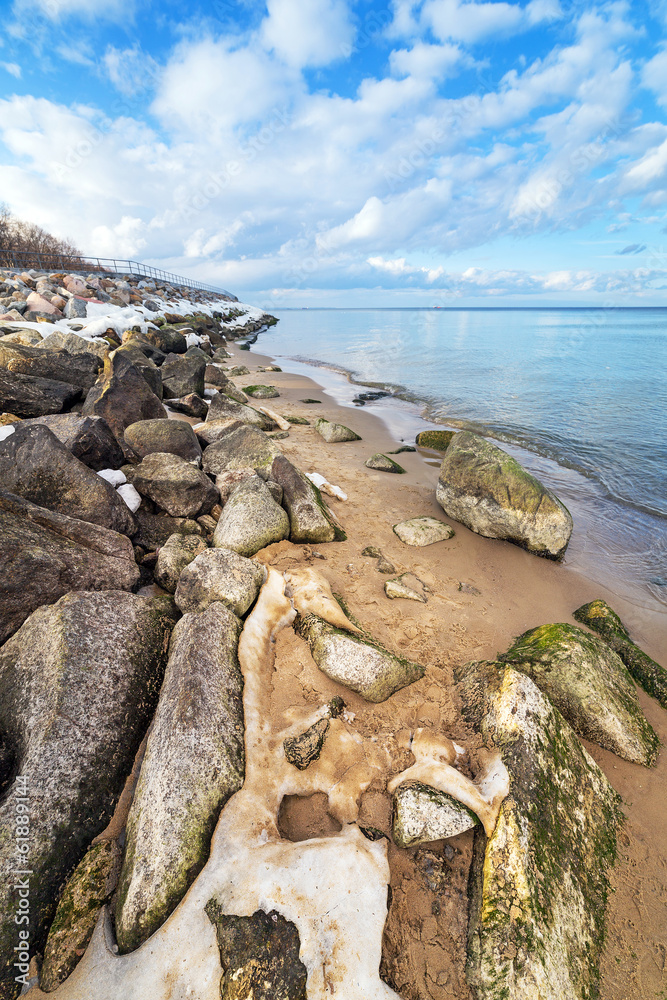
x: 481, y: 594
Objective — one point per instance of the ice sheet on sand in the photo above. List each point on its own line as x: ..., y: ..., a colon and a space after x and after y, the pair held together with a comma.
x: 113, y: 476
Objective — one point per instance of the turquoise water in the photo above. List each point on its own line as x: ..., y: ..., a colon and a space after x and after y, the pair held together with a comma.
x: 584, y: 392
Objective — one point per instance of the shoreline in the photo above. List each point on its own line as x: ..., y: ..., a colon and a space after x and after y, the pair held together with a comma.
x: 598, y: 548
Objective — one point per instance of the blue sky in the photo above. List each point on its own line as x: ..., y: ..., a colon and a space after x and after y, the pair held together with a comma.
x: 330, y: 152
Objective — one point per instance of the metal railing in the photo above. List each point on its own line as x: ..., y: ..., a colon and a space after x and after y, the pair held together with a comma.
x: 40, y: 261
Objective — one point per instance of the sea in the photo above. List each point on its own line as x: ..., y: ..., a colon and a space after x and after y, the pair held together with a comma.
x: 579, y: 396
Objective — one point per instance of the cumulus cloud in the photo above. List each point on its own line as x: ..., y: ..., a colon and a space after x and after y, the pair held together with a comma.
x: 13, y: 68
x: 307, y: 34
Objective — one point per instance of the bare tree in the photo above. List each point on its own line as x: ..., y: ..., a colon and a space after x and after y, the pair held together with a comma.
x: 28, y: 245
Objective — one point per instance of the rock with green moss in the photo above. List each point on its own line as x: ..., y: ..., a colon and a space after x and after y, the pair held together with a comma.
x: 589, y: 684
x: 400, y: 587
x: 383, y: 565
x: 303, y: 749
x: 175, y: 437
x: 86, y: 892
x: 486, y: 489
x: 422, y: 814
x: 223, y: 407
x: 382, y: 463
x: 261, y: 391
x: 175, y: 485
x: 539, y: 885
x: 437, y: 440
x: 293, y: 419
x: 194, y: 762
x: 356, y: 662
x: 600, y: 617
x: 420, y: 531
x: 79, y: 683
x: 219, y: 575
x: 239, y: 447
x: 334, y: 433
x: 237, y: 370
x: 251, y: 519
x: 177, y: 553
x: 310, y: 519
x: 259, y: 956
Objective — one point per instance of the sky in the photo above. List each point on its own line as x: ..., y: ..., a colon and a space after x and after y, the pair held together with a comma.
x: 341, y: 153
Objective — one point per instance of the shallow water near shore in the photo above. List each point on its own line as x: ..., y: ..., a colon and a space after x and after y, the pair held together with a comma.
x: 578, y: 396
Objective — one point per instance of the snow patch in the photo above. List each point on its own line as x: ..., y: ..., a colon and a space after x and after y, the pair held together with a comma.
x: 130, y: 496
x: 113, y: 476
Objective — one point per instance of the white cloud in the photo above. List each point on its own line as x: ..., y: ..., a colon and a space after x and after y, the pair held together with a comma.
x: 469, y: 22
x: 58, y: 10
x: 654, y: 76
x: 431, y: 61
x: 126, y: 239
x: 130, y: 70
x: 13, y: 68
x: 307, y: 34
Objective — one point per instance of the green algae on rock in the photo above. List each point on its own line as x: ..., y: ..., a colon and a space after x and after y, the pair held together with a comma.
x: 603, y: 620
x: 588, y: 683
x: 303, y: 749
x: 334, y: 433
x: 422, y: 814
x: 251, y: 519
x: 261, y: 391
x: 194, y: 762
x: 437, y: 440
x: 382, y: 463
x: 356, y: 662
x: 487, y: 490
x: 86, y: 891
x: 539, y: 885
x: 293, y: 419
x: 311, y: 521
x: 176, y: 553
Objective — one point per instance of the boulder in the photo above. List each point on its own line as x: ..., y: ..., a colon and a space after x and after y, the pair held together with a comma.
x: 487, y: 490
x: 422, y: 814
x: 144, y: 365
x: 36, y: 466
x: 357, y: 662
x: 310, y: 518
x: 239, y: 447
x: 539, y: 885
x: 251, y: 519
x: 122, y: 396
x: 192, y: 405
x: 174, y: 437
x: 259, y: 956
x: 79, y: 682
x: 182, y: 375
x: 28, y: 396
x: 84, y: 895
x: 261, y: 391
x: 237, y: 370
x: 589, y: 684
x: 79, y: 369
x: 135, y: 342
x: 75, y: 308
x: 88, y: 438
x: 219, y: 575
x: 223, y: 408
x: 437, y: 440
x: 166, y: 339
x: 174, y: 484
x: 382, y: 463
x: 215, y: 376
x: 420, y: 531
x: 155, y: 529
x: 176, y: 553
x: 194, y: 761
x: 305, y: 748
x: 334, y: 433
x: 603, y: 620
x: 44, y: 555
x: 38, y: 304
x: 59, y: 341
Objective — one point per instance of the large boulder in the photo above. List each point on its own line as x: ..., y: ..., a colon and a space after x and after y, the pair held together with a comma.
x: 223, y: 407
x: 79, y: 683
x: 79, y: 369
x: 589, y: 684
x: 239, y: 447
x: 539, y: 884
x: 251, y: 519
x: 28, y: 396
x: 44, y: 555
x: 182, y: 375
x: 174, y: 437
x: 166, y: 339
x: 122, y: 396
x: 356, y: 661
x: 145, y: 365
x: 155, y: 529
x: 88, y: 438
x: 422, y: 814
x: 219, y: 575
x: 60, y: 341
x: 175, y: 485
x: 134, y: 341
x: 334, y: 433
x: 36, y: 466
x: 603, y: 620
x: 176, y: 553
x: 194, y: 761
x: 487, y: 490
x: 192, y: 405
x: 310, y: 519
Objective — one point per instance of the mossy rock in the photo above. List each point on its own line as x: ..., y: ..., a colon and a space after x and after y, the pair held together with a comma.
x: 335, y: 433
x: 382, y: 463
x: 292, y: 419
x: 311, y: 521
x: 251, y: 519
x: 310, y: 401
x: 305, y: 748
x: 603, y: 620
x: 589, y: 684
x: 422, y: 814
x: 437, y: 440
x: 539, y: 885
x: 261, y: 391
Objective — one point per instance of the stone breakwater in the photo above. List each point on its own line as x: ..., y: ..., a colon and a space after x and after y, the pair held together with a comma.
x: 166, y: 565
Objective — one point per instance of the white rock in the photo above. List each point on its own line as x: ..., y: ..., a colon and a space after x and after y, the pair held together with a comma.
x: 113, y: 476
x: 130, y: 496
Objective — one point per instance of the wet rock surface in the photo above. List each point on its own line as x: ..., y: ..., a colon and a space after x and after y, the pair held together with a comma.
x: 310, y: 518
x: 194, y: 762
x: 303, y: 749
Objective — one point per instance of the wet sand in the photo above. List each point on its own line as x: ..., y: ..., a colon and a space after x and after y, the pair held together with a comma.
x: 425, y: 939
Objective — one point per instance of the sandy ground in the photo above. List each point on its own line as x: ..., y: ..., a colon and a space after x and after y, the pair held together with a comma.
x: 513, y: 591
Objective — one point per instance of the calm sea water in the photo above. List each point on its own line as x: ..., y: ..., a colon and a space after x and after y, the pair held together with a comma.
x: 580, y: 394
